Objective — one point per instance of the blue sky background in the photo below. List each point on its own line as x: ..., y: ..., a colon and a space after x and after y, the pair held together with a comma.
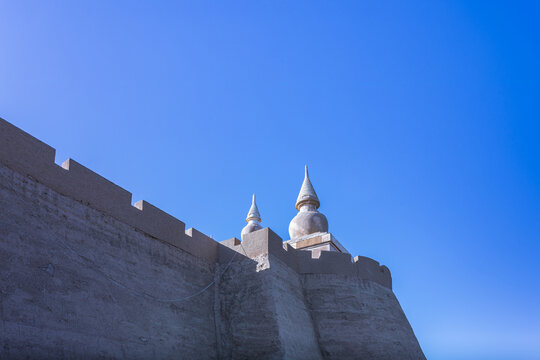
x: 419, y: 122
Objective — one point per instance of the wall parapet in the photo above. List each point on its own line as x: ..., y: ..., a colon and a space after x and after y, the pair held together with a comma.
x: 31, y: 157
x: 265, y: 241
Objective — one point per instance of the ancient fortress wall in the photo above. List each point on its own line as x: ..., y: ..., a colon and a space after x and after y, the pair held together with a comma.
x: 83, y: 273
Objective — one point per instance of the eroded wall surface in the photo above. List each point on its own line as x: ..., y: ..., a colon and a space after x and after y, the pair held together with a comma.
x: 358, y: 319
x: 77, y: 283
x: 245, y: 318
x: 262, y: 313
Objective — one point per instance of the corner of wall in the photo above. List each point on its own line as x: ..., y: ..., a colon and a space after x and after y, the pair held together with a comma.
x: 369, y: 269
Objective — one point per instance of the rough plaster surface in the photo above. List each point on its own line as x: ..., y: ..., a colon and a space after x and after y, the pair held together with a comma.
x: 57, y: 304
x: 358, y: 319
x: 244, y: 297
x: 263, y: 313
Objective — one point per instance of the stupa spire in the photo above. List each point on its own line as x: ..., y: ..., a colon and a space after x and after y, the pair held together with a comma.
x: 307, y: 193
x: 253, y: 213
x: 253, y: 218
x: 308, y: 220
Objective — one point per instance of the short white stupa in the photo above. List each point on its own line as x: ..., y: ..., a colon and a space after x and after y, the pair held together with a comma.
x: 309, y: 228
x: 308, y: 220
x: 253, y: 219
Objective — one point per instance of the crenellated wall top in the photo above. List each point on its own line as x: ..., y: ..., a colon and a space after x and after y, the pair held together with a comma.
x: 265, y: 241
x: 29, y: 156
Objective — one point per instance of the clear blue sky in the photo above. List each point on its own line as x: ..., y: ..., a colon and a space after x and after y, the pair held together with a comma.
x: 419, y: 122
